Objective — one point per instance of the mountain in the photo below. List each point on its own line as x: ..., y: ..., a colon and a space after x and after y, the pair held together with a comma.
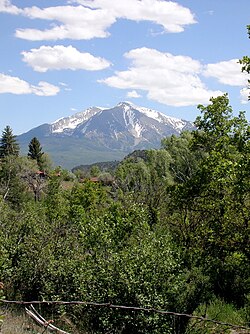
x: 101, y: 134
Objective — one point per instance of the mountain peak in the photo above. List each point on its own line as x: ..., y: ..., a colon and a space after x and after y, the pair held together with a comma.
x: 126, y: 105
x: 68, y: 124
x: 103, y: 133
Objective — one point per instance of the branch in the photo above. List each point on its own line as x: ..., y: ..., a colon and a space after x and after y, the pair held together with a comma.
x: 32, y: 312
x: 123, y: 307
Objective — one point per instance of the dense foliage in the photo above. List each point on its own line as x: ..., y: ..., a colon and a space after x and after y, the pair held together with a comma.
x: 170, y: 230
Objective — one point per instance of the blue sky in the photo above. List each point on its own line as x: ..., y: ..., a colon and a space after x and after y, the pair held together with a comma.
x: 60, y: 57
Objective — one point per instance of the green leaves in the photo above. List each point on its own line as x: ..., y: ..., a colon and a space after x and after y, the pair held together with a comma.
x: 212, y: 207
x: 146, y: 178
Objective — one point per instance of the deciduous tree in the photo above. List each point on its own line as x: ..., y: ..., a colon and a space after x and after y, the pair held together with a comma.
x: 213, y: 205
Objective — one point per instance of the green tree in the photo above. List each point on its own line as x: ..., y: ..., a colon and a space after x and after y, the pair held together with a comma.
x: 245, y: 61
x: 146, y: 178
x: 35, y: 152
x: 184, y: 160
x: 12, y: 185
x: 8, y: 143
x: 212, y: 207
x: 95, y: 171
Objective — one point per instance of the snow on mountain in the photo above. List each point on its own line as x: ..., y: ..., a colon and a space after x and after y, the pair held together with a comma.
x: 104, y: 134
x: 68, y: 124
x: 121, y: 127
x: 132, y: 121
x: 178, y: 124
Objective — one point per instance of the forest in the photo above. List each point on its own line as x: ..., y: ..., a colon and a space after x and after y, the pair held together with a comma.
x: 168, y: 230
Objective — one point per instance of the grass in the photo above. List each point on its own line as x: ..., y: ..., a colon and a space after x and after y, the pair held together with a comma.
x: 18, y: 323
x: 220, y: 311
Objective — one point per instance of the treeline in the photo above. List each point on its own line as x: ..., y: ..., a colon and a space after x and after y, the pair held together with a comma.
x: 170, y: 232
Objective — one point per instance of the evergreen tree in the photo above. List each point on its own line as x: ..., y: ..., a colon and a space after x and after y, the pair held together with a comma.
x: 8, y: 143
x: 35, y: 151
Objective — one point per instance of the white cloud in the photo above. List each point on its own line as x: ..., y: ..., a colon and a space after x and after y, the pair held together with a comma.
x: 74, y: 22
x: 15, y: 85
x: 133, y: 94
x: 60, y: 57
x: 172, y: 16
x: 227, y: 72
x: 7, y: 7
x: 168, y: 79
x: 91, y: 19
x: 45, y: 89
x: 244, y: 93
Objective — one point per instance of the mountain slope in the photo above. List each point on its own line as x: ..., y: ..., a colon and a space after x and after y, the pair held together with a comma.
x: 99, y: 134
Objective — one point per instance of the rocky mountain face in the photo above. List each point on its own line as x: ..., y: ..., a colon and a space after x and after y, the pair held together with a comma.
x: 99, y: 134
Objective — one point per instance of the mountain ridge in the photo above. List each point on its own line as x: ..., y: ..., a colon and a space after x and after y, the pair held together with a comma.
x: 97, y: 133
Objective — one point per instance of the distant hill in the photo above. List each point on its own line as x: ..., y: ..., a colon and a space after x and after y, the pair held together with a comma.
x: 106, y: 166
x: 99, y: 134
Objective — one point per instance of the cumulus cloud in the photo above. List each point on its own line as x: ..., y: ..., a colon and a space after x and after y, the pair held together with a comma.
x: 227, y: 72
x: 171, y: 15
x: 7, y: 7
x: 60, y: 57
x: 15, y: 85
x: 133, y: 94
x: 91, y: 19
x: 74, y: 23
x: 168, y: 79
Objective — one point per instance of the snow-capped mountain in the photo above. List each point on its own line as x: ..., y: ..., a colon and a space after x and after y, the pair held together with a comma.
x: 104, y: 134
x: 126, y: 125
x: 66, y: 125
x: 125, y: 119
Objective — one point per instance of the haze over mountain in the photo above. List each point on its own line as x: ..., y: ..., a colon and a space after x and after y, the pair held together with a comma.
x: 100, y: 134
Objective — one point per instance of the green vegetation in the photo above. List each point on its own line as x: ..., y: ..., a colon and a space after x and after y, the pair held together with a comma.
x: 69, y: 151
x: 35, y: 152
x: 9, y: 145
x: 169, y: 231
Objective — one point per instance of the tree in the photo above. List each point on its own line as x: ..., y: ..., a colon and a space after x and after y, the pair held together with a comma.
x: 12, y: 185
x: 245, y: 62
x: 213, y: 205
x: 184, y: 160
x: 35, y: 151
x: 146, y: 177
x: 95, y: 171
x: 9, y: 145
